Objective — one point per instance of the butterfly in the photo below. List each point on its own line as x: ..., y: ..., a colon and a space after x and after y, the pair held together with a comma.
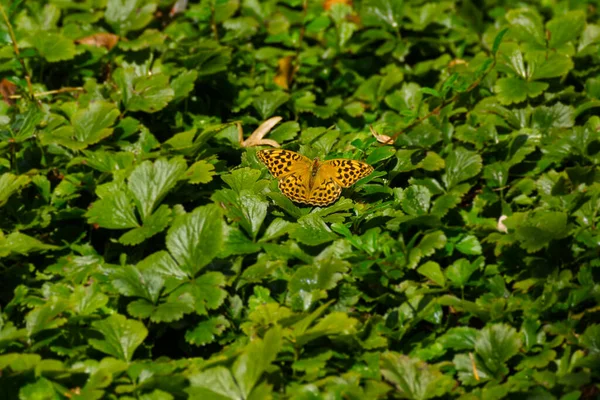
x: 314, y: 182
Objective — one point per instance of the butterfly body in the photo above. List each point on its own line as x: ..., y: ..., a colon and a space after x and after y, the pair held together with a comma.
x: 313, y: 182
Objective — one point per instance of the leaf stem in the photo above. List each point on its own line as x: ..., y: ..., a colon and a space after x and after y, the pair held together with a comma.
x: 16, y: 49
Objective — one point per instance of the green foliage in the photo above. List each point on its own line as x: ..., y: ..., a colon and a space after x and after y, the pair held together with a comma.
x: 146, y: 253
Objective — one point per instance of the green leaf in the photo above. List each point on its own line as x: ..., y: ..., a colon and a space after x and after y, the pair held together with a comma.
x: 46, y: 316
x: 266, y: 103
x: 256, y: 359
x: 19, y: 243
x: 516, y: 90
x: 42, y: 389
x: 537, y: 230
x: 183, y: 84
x: 432, y: 271
x: 566, y: 28
x: 168, y: 311
x: 206, y: 292
x: 382, y: 12
x: 225, y: 9
x: 461, y: 164
x: 86, y: 300
x: 11, y: 184
x: 150, y: 93
x: 114, y: 211
x: 214, y: 384
x: 526, y: 24
x: 414, y: 379
x: 121, y: 336
x: 461, y: 270
x: 154, y: 224
x: 200, y: 172
x: 312, y: 230
x: 129, y: 15
x: 53, y: 46
x: 469, y: 245
x: 196, y: 238
x: 416, y: 200
x: 310, y: 282
x: 336, y: 323
x: 149, y: 183
x: 131, y: 281
x: 206, y: 332
x: 551, y: 66
x: 497, y: 344
x: 88, y: 126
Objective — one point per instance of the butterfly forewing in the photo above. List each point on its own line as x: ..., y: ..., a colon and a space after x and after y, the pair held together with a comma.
x: 282, y: 162
x: 346, y: 172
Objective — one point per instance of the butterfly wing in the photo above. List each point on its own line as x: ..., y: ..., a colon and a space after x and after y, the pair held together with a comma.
x: 282, y: 162
x: 324, y: 191
x: 295, y: 187
x: 345, y: 172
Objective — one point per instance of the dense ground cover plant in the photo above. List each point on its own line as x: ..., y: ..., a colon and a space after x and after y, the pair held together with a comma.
x: 146, y: 253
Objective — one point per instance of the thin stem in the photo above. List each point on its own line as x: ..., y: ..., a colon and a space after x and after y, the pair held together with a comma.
x: 49, y: 92
x: 444, y: 103
x: 16, y: 49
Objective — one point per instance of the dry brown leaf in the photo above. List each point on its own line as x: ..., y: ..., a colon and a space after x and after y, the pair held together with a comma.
x: 285, y: 72
x: 328, y: 3
x: 103, y: 39
x: 178, y: 7
x: 256, y: 138
x: 385, y: 139
x: 7, y: 89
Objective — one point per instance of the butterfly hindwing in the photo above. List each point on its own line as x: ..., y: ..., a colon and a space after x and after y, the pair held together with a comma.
x: 346, y: 172
x: 293, y: 186
x: 282, y: 162
x: 324, y: 193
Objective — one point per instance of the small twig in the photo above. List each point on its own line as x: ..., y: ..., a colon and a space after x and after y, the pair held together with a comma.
x: 213, y: 24
x: 445, y: 103
x: 49, y: 92
x: 16, y: 50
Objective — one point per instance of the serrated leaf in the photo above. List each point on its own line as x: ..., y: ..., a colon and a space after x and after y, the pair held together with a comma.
x: 256, y: 359
x: 53, y: 46
x: 461, y: 164
x: 382, y: 12
x: 88, y: 126
x: 460, y: 271
x: 115, y: 211
x: 515, y: 90
x: 200, y: 172
x: 266, y: 103
x: 129, y: 15
x: 183, y: 84
x: 11, y: 184
x: 206, y: 292
x: 149, y: 183
x: 121, y: 336
x: 312, y: 230
x: 154, y: 224
x: 207, y: 331
x: 496, y: 344
x: 413, y: 378
x: 416, y: 200
x: 214, y: 384
x: 196, y: 238
x: 432, y: 270
x: 20, y: 243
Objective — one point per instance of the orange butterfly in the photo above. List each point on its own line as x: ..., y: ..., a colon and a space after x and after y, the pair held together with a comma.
x: 314, y: 182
